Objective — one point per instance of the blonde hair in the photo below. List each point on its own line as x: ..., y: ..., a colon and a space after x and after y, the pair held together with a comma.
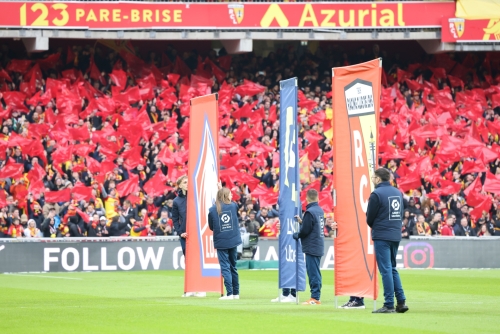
x: 222, y: 197
x: 179, y: 180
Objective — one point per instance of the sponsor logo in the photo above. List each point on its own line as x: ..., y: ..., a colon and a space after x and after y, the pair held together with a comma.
x: 359, y: 98
x: 2, y: 247
x: 205, y: 186
x: 457, y: 27
x: 236, y: 12
x: 418, y: 255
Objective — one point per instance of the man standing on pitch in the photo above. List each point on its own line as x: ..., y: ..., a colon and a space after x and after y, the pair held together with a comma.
x: 384, y: 215
x: 312, y: 237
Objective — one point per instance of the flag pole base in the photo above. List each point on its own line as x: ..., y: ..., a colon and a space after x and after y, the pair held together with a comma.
x: 336, y: 302
x: 374, y: 304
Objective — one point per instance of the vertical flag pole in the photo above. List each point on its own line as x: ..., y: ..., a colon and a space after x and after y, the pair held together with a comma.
x: 296, y: 264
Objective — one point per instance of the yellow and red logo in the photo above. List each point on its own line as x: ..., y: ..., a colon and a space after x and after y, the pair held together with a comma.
x: 236, y: 13
x: 457, y: 27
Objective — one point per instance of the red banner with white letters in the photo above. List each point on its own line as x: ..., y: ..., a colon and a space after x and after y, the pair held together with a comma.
x: 155, y: 15
x: 462, y: 30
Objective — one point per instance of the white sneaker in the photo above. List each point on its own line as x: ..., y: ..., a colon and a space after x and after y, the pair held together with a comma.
x: 200, y: 294
x: 236, y: 296
x: 283, y: 299
x: 188, y: 294
x: 289, y: 299
x: 230, y: 297
x: 278, y: 299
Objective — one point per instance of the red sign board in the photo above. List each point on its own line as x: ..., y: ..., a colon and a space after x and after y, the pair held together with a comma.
x: 144, y: 15
x: 462, y: 30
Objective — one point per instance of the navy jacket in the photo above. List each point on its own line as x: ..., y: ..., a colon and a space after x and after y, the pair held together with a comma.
x: 385, y: 212
x: 311, y: 232
x: 179, y: 212
x: 225, y: 226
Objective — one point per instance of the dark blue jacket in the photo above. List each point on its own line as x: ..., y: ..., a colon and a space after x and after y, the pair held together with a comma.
x: 385, y: 212
x: 179, y: 212
x: 311, y: 232
x: 225, y: 226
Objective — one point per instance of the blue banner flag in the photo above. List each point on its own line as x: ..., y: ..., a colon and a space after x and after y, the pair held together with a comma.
x: 292, y: 271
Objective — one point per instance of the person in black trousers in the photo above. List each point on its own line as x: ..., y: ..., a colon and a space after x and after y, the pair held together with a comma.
x: 223, y: 221
x: 179, y: 211
x: 312, y: 237
x: 384, y: 215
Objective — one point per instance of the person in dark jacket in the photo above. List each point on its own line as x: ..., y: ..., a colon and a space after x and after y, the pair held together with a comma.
x: 118, y: 228
x: 384, y: 215
x: 179, y: 211
x: 74, y: 228
x: 223, y: 221
x: 463, y: 229
x: 312, y: 237
x: 47, y: 228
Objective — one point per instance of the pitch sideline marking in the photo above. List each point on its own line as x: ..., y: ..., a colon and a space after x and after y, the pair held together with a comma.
x: 45, y: 276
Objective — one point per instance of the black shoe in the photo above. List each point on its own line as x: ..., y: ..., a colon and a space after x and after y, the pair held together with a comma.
x: 353, y: 305
x: 385, y: 310
x: 401, y: 308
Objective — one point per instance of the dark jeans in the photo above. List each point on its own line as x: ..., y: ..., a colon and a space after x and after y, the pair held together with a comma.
x: 314, y: 274
x: 385, y: 252
x: 183, y: 245
x: 227, y: 261
x: 287, y: 291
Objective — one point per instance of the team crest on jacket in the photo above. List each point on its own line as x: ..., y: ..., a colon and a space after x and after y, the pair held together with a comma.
x: 205, y: 186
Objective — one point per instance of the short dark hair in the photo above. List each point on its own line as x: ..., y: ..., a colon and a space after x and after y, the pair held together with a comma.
x: 383, y: 173
x: 312, y: 195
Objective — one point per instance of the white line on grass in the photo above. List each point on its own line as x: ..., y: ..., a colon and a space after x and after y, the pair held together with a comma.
x: 45, y: 276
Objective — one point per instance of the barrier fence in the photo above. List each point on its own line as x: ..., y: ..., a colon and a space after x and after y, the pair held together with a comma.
x: 164, y: 253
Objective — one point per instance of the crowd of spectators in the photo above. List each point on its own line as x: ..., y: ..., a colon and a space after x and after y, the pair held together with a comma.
x: 94, y: 138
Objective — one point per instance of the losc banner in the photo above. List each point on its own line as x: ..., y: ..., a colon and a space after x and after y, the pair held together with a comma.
x: 356, y: 101
x: 202, y: 266
x: 292, y: 272
x: 462, y: 30
x: 153, y: 15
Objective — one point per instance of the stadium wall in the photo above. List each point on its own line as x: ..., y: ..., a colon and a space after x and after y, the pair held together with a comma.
x: 52, y: 255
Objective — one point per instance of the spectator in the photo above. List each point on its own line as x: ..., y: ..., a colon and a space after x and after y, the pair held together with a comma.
x: 447, y: 229
x: 16, y: 230
x: 436, y: 223
x: 32, y: 231
x: 464, y: 230
x: 405, y: 230
x: 421, y: 227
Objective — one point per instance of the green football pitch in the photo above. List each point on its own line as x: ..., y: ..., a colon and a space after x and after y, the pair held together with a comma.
x: 447, y: 301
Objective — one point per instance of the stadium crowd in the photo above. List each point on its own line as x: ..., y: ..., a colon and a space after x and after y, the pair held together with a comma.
x: 94, y: 138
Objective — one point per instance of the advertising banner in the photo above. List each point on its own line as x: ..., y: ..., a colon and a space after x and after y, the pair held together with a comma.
x: 356, y: 102
x: 478, y: 9
x: 154, y: 15
x: 292, y: 272
x: 202, y: 265
x: 463, y: 30
x: 107, y: 255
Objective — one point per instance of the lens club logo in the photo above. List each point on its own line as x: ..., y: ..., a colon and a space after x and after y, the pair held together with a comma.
x: 236, y: 12
x: 457, y: 27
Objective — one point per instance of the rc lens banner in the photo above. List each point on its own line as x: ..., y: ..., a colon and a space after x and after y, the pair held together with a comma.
x: 292, y: 272
x: 356, y: 100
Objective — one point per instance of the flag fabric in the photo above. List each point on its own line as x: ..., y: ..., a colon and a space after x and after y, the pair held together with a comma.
x: 355, y: 137
x: 202, y: 266
x: 292, y: 271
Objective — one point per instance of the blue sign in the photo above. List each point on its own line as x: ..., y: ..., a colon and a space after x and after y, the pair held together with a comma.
x: 292, y: 270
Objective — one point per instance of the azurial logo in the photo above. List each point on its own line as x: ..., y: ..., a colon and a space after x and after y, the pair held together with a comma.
x: 418, y: 255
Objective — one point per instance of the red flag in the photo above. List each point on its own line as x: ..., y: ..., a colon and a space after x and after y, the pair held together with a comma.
x: 15, y: 100
x: 4, y: 75
x: 20, y: 66
x: 156, y: 185
x: 119, y: 78
x: 409, y: 182
x: 484, y: 206
x: 181, y: 68
x: 313, y: 151
x: 473, y: 167
x: 36, y: 173
x: 220, y: 75
x: 225, y: 62
x: 93, y: 165
x: 173, y: 78
x: 50, y: 62
x: 491, y: 184
x: 403, y: 75
x: 319, y: 117
x: 81, y: 133
x: 58, y: 196
x: 475, y: 186
x: 12, y: 170
x: 249, y: 88
x: 129, y: 186
x: 81, y: 192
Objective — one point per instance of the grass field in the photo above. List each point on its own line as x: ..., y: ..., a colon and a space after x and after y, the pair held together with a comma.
x: 452, y: 301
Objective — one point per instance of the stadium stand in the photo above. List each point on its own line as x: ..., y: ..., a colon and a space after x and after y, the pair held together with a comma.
x: 95, y: 137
